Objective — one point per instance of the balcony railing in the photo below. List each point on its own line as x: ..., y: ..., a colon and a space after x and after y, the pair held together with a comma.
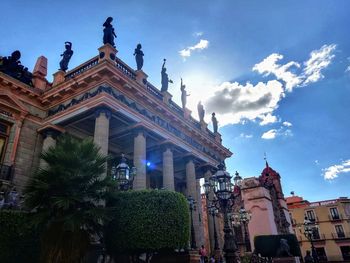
x: 5, y: 172
x: 89, y: 64
x: 125, y: 69
x: 316, y: 236
x: 341, y: 235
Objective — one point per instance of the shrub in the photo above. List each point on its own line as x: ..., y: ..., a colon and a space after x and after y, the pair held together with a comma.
x: 19, y: 242
x: 148, y: 221
x: 268, y: 245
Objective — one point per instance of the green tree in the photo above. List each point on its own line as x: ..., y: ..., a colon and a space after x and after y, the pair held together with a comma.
x: 147, y: 221
x: 67, y: 197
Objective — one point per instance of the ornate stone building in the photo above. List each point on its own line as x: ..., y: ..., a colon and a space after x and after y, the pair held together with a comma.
x: 264, y: 198
x: 117, y: 107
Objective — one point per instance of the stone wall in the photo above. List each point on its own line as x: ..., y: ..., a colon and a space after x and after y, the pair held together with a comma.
x: 28, y: 152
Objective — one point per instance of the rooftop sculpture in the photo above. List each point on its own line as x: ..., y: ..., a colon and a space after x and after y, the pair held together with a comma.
x: 66, y: 56
x: 108, y: 32
x: 184, y: 95
x: 165, y: 78
x: 139, y: 56
x: 12, y: 66
x: 201, y: 111
x: 215, y: 122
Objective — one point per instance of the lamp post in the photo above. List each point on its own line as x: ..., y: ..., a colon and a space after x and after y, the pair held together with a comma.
x: 191, y: 203
x: 213, y: 211
x: 309, y: 228
x: 222, y: 187
x: 123, y: 174
x: 243, y: 217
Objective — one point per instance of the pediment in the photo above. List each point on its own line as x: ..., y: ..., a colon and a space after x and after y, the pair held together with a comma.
x: 9, y: 101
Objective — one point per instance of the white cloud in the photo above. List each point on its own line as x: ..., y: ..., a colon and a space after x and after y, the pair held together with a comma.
x: 202, y: 44
x: 287, y: 124
x: 198, y: 34
x: 333, y: 171
x: 319, y: 59
x: 269, y: 66
x: 234, y: 102
x: 268, y: 119
x: 309, y: 73
x: 271, y: 134
x: 246, y: 136
x: 347, y: 69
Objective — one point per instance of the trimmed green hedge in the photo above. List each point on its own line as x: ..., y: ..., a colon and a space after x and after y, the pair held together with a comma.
x: 267, y: 245
x: 147, y: 221
x: 18, y: 241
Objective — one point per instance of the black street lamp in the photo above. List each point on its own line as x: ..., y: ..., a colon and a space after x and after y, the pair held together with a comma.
x: 191, y: 203
x: 243, y: 217
x: 309, y: 230
x: 223, y: 189
x: 123, y: 175
x: 213, y: 211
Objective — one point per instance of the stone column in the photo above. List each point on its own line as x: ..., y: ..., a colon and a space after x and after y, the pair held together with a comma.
x: 168, y: 169
x: 199, y: 214
x: 101, y: 135
x: 140, y: 160
x: 207, y: 175
x: 48, y: 142
x: 192, y: 191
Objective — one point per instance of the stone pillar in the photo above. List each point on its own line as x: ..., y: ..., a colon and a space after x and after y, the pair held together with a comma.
x: 207, y: 175
x: 58, y: 77
x: 168, y: 169
x: 141, y: 77
x: 199, y: 213
x: 101, y: 135
x: 107, y: 53
x: 48, y: 142
x: 39, y: 73
x: 140, y: 160
x: 192, y: 191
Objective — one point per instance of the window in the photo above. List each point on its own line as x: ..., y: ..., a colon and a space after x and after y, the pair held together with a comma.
x: 345, y: 251
x: 321, y: 253
x: 334, y: 213
x: 3, y: 139
x: 310, y: 215
x: 340, y: 231
x: 315, y: 234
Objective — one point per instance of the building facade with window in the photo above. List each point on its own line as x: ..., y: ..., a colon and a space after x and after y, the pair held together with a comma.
x: 106, y: 100
x: 331, y: 236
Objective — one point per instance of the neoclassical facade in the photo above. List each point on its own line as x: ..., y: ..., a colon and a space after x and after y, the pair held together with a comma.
x: 123, y: 113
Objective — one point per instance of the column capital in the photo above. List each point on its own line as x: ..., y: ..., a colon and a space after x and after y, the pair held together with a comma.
x: 167, y: 145
x: 51, y: 133
x: 51, y: 130
x: 139, y: 130
x: 105, y: 110
x: 189, y: 157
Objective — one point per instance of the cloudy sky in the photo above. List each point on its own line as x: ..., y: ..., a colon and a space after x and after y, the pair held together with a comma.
x: 277, y: 73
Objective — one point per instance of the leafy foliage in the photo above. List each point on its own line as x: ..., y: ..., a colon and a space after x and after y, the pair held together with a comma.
x: 268, y: 245
x: 148, y: 220
x: 19, y: 242
x: 66, y: 196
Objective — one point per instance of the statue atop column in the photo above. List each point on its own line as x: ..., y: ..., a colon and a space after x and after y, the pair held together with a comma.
x: 165, y: 78
x: 215, y: 122
x: 139, y: 56
x: 184, y: 95
x: 108, y: 32
x: 201, y: 111
x: 66, y: 56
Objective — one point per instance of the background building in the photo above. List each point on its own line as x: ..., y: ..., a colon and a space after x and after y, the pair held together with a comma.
x: 332, y: 217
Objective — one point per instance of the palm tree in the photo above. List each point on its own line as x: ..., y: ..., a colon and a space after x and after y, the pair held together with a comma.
x: 67, y: 197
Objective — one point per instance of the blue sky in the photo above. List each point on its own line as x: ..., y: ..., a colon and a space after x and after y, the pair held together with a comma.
x: 276, y: 72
